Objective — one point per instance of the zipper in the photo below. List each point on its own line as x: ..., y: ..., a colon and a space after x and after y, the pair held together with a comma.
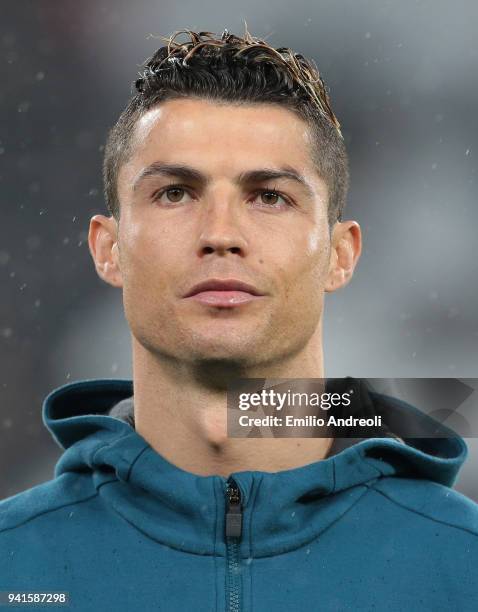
x: 233, y: 540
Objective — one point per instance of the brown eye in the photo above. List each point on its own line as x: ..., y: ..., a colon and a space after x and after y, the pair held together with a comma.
x: 175, y: 194
x: 269, y: 197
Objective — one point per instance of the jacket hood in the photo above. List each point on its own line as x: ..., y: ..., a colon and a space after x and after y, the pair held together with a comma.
x: 92, y: 421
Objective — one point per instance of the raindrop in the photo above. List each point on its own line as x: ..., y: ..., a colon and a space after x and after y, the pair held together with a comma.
x: 24, y: 106
x: 82, y: 236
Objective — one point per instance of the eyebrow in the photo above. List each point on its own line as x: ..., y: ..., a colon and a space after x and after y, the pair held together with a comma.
x: 187, y: 173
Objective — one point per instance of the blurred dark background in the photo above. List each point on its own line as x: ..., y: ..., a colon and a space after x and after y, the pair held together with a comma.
x: 403, y: 81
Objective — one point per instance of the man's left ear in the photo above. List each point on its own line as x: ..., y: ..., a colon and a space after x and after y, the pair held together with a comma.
x: 345, y: 249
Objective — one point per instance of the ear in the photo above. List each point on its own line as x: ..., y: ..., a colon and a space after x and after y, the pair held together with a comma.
x: 346, y: 246
x: 103, y: 243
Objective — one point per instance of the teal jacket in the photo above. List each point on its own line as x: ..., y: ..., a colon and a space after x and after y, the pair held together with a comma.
x: 374, y: 526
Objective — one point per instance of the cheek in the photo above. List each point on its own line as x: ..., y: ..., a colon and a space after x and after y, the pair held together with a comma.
x: 305, y: 260
x: 142, y: 270
x: 317, y: 252
x: 313, y: 242
x: 146, y: 282
x: 147, y: 250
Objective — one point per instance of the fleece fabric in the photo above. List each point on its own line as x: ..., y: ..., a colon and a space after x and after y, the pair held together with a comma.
x: 374, y: 526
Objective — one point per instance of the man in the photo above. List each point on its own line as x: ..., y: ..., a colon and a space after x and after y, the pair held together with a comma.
x: 226, y: 178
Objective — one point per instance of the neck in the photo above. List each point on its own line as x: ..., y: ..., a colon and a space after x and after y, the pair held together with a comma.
x: 183, y: 416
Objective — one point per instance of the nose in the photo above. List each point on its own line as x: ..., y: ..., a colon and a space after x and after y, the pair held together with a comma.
x: 220, y: 231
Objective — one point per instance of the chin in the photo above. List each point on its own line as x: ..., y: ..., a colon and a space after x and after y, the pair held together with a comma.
x: 224, y: 347
x: 223, y: 353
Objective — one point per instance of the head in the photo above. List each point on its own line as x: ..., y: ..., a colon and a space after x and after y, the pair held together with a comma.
x: 227, y: 163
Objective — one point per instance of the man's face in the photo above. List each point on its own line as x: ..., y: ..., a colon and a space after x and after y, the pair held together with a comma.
x: 221, y: 222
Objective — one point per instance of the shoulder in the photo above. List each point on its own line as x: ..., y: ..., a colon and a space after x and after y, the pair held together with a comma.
x: 429, y: 501
x: 44, y: 501
x: 42, y: 530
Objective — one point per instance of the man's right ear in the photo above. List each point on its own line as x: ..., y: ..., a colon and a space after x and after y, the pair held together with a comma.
x: 103, y: 243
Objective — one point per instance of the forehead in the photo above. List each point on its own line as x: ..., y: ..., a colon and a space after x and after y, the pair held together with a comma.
x: 222, y: 138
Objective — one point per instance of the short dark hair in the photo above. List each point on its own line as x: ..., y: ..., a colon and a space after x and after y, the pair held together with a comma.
x: 232, y: 69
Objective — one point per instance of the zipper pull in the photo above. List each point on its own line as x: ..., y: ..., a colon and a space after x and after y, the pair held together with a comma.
x: 233, y: 510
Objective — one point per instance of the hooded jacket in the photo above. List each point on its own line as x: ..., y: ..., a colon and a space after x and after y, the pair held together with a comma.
x: 373, y: 526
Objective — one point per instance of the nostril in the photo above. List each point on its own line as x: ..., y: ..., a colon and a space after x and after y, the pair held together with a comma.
x: 209, y: 249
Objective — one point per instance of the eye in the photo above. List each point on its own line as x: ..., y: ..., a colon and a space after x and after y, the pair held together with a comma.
x: 172, y: 194
x: 270, y: 198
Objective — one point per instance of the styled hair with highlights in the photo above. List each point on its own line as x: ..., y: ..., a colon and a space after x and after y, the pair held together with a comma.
x: 233, y: 70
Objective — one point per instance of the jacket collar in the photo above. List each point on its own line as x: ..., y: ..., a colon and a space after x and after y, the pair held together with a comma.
x: 282, y: 510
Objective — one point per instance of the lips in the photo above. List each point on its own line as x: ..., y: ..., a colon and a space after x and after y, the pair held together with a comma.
x: 225, y: 293
x: 227, y: 285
